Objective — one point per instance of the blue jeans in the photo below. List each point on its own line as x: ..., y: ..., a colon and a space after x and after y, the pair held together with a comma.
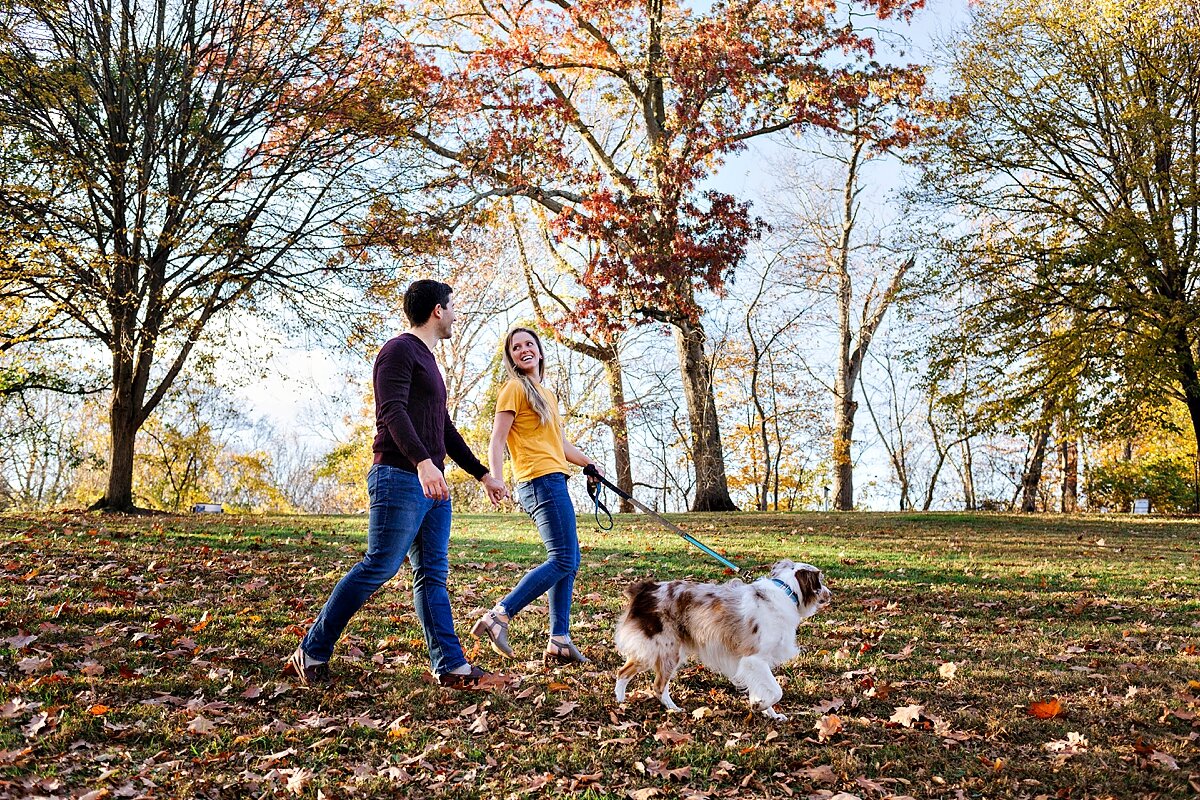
x: 545, y: 499
x: 402, y: 521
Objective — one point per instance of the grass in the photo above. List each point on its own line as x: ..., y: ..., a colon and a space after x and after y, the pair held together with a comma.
x: 141, y: 657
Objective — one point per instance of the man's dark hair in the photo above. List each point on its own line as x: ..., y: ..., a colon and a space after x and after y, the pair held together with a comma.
x: 422, y: 297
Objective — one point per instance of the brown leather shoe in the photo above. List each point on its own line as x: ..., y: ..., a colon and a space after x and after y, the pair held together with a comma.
x: 476, y: 679
x: 307, y: 674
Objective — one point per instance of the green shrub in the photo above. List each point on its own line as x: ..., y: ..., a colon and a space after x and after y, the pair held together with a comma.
x: 1166, y: 480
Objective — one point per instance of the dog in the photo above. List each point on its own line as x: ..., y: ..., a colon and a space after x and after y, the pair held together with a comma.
x: 743, y: 631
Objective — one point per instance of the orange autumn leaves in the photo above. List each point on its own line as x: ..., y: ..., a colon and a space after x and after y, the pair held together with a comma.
x: 1046, y: 709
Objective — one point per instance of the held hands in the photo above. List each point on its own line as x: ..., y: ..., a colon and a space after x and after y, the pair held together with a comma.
x: 496, y: 490
x: 433, y: 482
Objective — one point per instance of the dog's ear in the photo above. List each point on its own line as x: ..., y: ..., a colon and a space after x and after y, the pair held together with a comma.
x: 809, y: 581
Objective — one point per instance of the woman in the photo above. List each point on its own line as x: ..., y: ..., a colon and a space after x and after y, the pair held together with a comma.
x: 527, y: 419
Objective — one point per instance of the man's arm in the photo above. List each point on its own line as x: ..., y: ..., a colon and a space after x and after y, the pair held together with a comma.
x: 393, y: 384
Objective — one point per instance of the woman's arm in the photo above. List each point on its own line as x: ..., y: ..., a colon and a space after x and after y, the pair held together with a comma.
x: 575, y: 455
x: 500, y: 428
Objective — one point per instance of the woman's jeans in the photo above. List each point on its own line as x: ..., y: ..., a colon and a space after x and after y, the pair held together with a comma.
x: 545, y: 499
x: 402, y: 521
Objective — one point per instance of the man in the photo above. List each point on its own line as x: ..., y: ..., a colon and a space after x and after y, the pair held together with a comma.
x: 410, y: 502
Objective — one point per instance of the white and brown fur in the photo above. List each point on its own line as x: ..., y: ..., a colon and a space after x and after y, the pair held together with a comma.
x: 740, y: 630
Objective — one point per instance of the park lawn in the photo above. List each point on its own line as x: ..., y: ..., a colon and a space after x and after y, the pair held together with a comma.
x: 141, y: 657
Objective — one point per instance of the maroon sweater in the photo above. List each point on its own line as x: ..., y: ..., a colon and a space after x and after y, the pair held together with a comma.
x: 411, y: 420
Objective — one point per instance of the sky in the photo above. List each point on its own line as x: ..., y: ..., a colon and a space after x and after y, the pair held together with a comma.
x: 303, y: 388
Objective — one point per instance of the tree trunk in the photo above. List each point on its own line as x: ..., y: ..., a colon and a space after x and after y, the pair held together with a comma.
x: 712, y: 491
x: 843, y: 467
x: 1070, y: 487
x: 1033, y: 472
x: 762, y: 489
x: 968, y: 475
x: 619, y: 423
x: 939, y: 450
x: 123, y: 428
x: 1189, y: 380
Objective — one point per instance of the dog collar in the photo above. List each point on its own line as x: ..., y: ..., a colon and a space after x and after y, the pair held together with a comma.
x: 788, y: 589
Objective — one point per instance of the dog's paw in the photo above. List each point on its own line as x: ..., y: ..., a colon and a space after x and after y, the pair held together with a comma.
x: 775, y: 715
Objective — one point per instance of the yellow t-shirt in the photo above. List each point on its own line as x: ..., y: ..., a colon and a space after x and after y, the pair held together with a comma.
x: 536, y: 448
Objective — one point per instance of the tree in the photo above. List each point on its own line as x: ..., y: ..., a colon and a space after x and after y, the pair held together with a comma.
x: 41, y: 448
x: 1155, y: 458
x: 612, y: 115
x: 1073, y: 147
x: 169, y: 161
x: 832, y: 248
x: 182, y: 443
x: 780, y: 412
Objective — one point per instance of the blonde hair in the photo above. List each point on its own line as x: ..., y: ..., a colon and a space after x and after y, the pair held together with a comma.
x: 536, y: 399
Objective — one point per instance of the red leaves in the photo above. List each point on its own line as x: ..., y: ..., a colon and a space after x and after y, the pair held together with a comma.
x: 562, y: 104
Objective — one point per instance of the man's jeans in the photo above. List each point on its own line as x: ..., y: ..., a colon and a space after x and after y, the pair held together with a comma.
x: 403, y: 520
x: 547, y: 501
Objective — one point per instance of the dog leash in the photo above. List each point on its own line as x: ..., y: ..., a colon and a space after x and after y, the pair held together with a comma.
x: 596, y: 481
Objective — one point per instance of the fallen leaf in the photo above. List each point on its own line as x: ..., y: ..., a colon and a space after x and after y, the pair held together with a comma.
x: 948, y: 670
x: 35, y: 726
x: 821, y: 774
x: 668, y: 735
x: 566, y: 707
x: 829, y: 705
x: 33, y: 664
x: 1046, y: 709
x: 99, y: 710
x: 902, y: 655
x: 906, y: 715
x: 299, y: 779
x: 827, y: 726
x: 9, y: 758
x: 201, y: 725
x: 21, y: 641
x: 273, y: 757
x: 480, y: 725
x: 870, y: 785
x: 16, y: 707
x: 1074, y: 743
x: 1164, y: 759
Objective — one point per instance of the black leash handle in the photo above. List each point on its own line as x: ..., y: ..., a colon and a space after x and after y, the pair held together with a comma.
x: 595, y: 490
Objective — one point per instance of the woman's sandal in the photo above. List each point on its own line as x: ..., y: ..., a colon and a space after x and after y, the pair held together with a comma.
x: 475, y: 679
x: 563, y: 653
x: 496, y: 631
